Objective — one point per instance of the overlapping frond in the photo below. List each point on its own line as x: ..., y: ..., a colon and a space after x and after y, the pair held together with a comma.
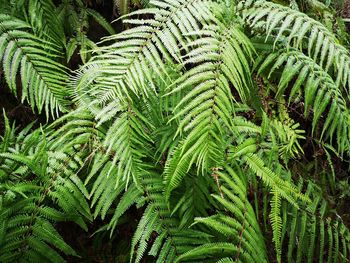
x: 170, y: 240
x: 320, y: 91
x: 287, y: 136
x: 40, y: 188
x: 127, y: 143
x: 167, y: 121
x: 193, y: 199
x: 128, y: 65
x: 236, y: 222
x: 296, y: 29
x: 205, y: 112
x: 45, y: 22
x: 316, y: 233
x: 44, y: 81
x: 248, y: 152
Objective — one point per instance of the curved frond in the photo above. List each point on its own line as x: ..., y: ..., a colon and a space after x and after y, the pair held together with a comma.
x: 44, y: 81
x: 205, y: 112
x: 236, y: 222
x: 124, y: 67
x: 295, y: 29
x: 320, y: 92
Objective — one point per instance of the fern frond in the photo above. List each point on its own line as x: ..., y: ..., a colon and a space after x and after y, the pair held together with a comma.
x: 285, y: 189
x: 315, y: 231
x: 171, y: 118
x: 276, y: 222
x: 157, y: 220
x: 47, y: 191
x: 320, y: 92
x: 101, y: 20
x: 44, y: 81
x: 44, y: 22
x: 127, y: 65
x: 296, y: 29
x: 236, y: 222
x: 194, y: 199
x: 205, y: 111
x: 128, y: 142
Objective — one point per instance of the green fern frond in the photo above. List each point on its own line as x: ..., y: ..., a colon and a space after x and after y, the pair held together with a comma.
x: 320, y: 92
x: 282, y: 134
x: 276, y: 222
x: 44, y: 81
x: 316, y: 232
x: 194, y: 199
x: 44, y: 22
x: 127, y: 141
x: 293, y: 28
x: 125, y: 66
x: 236, y: 222
x: 101, y: 20
x: 157, y: 221
x: 47, y: 191
x: 285, y: 189
x: 174, y: 119
x: 207, y: 108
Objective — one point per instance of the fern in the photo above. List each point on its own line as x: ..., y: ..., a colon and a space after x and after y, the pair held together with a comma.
x: 30, y: 210
x: 314, y: 79
x: 276, y: 222
x: 44, y: 22
x: 316, y: 232
x: 241, y: 227
x: 206, y: 109
x: 171, y: 240
x: 43, y: 80
x: 223, y: 124
x: 129, y: 62
x: 293, y: 28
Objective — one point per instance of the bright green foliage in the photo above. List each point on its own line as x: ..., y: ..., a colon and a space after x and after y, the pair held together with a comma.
x: 276, y: 222
x: 33, y: 45
x: 320, y: 92
x: 236, y: 221
x: 320, y: 238
x: 44, y: 81
x: 185, y: 116
x: 39, y: 188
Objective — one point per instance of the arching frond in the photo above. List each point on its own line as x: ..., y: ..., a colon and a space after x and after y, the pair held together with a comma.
x: 43, y: 80
x: 128, y: 142
x: 128, y: 66
x: 296, y: 29
x: 320, y: 91
x: 235, y: 222
x: 321, y: 236
x: 286, y: 135
x: 176, y: 140
x: 45, y: 22
x: 40, y: 189
x: 170, y: 240
x: 205, y: 111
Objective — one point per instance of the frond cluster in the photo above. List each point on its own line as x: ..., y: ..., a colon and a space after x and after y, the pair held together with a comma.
x: 210, y: 118
x: 39, y: 188
x: 43, y: 80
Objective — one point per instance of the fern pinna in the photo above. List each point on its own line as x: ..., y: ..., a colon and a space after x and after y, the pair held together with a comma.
x: 224, y: 124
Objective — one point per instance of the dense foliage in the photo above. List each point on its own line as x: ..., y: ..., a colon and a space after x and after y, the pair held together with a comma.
x: 204, y: 131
